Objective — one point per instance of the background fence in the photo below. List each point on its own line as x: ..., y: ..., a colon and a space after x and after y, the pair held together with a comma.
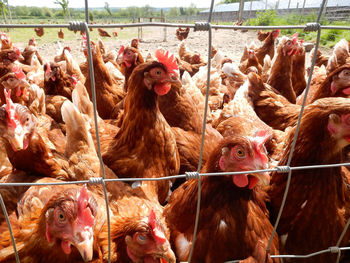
x: 204, y: 26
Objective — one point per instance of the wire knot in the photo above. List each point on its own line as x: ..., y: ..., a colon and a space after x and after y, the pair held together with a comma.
x: 191, y: 175
x: 334, y: 250
x: 311, y: 27
x: 201, y: 26
x: 283, y: 169
x: 96, y: 180
x: 77, y: 25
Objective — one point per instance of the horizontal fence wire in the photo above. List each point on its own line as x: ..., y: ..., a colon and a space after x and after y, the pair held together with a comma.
x: 84, y: 26
x: 154, y: 24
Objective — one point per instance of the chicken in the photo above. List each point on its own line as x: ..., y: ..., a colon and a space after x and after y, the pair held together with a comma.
x: 60, y: 33
x: 72, y: 67
x: 189, y: 57
x: 339, y: 57
x: 39, y: 31
x: 25, y: 147
x: 6, y: 42
x: 130, y: 57
x: 262, y: 35
x: 192, y: 69
x: 17, y: 83
x: 115, y: 32
x: 320, y: 59
x: 7, y: 58
x: 281, y: 72
x: 139, y: 234
x: 268, y: 48
x: 182, y: 33
x: 108, y: 91
x: 60, y: 54
x: 56, y: 221
x: 57, y: 82
x: 186, y: 121
x: 272, y: 108
x: 298, y: 71
x: 103, y: 33
x: 252, y: 61
x: 241, y: 217
x: 335, y: 84
x: 323, y: 134
x: 29, y: 51
x: 36, y: 74
x: 135, y: 43
x: 233, y: 78
x: 145, y: 145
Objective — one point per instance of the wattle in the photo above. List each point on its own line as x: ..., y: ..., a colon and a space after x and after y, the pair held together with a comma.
x: 162, y: 89
x: 241, y: 180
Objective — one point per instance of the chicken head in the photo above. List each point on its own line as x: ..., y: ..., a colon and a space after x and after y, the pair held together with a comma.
x: 148, y: 242
x: 18, y: 123
x: 290, y: 46
x: 160, y: 75
x: 341, y: 82
x: 70, y: 219
x: 339, y: 127
x: 128, y: 56
x: 16, y: 81
x: 246, y: 154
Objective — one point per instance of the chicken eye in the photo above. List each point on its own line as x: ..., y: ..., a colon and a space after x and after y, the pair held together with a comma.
x: 61, y: 217
x: 239, y: 152
x: 141, y: 239
x: 158, y: 72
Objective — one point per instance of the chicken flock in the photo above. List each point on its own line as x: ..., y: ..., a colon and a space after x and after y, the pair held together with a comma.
x: 150, y: 113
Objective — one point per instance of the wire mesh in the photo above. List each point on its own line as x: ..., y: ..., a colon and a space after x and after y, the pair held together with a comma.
x: 190, y: 175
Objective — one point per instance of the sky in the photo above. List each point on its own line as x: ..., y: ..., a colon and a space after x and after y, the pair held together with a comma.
x: 116, y: 3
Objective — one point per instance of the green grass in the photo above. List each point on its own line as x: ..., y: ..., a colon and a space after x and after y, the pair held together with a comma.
x: 328, y: 38
x: 22, y: 35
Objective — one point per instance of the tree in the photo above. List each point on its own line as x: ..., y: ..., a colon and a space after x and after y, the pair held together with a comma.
x: 64, y: 4
x: 4, y: 10
x: 108, y: 9
x: 174, y: 12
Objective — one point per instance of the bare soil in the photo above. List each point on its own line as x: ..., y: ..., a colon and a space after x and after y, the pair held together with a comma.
x: 228, y: 41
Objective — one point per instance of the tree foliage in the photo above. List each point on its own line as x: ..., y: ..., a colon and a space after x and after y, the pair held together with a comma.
x: 64, y: 5
x: 108, y: 9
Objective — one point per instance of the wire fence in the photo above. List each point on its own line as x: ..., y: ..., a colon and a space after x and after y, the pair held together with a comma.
x: 197, y: 26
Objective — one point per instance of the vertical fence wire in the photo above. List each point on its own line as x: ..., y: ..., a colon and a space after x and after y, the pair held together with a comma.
x: 203, y: 132
x: 297, y: 128
x: 3, y: 207
x: 93, y: 91
x: 204, y: 26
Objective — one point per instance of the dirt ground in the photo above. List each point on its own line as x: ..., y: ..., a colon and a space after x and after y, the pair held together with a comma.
x: 228, y: 41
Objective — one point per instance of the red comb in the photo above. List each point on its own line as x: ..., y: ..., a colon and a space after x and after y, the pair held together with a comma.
x: 121, y: 50
x: 168, y: 61
x: 84, y: 212
x: 17, y: 51
x: 10, y: 109
x: 18, y: 72
x: 157, y: 233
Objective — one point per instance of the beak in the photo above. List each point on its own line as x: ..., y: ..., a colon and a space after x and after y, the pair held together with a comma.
x: 17, y: 140
x: 85, y: 247
x: 168, y: 255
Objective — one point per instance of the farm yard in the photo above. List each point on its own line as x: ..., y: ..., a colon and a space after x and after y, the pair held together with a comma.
x: 156, y: 152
